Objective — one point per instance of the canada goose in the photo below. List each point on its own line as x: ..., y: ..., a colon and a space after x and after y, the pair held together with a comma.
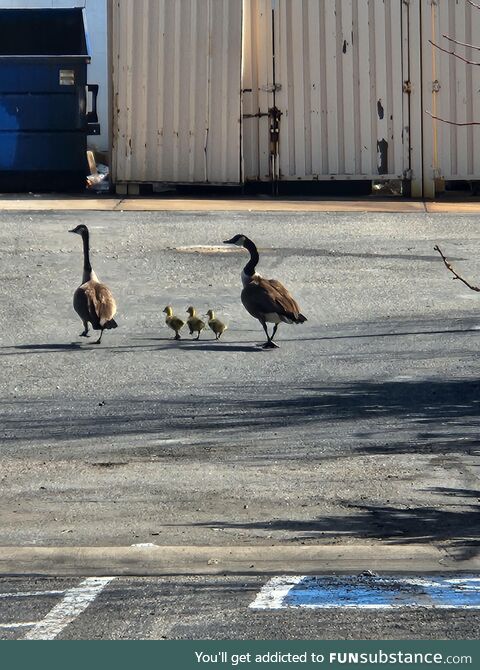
x: 173, y: 321
x: 195, y: 325
x: 265, y: 299
x: 215, y: 325
x: 93, y: 301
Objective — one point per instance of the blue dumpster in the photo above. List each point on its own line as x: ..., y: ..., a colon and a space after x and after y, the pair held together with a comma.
x: 44, y: 121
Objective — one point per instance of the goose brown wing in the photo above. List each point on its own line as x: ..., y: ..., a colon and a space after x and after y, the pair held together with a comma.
x: 104, y: 302
x: 263, y: 296
x: 83, y: 307
x: 286, y: 299
x: 94, y: 302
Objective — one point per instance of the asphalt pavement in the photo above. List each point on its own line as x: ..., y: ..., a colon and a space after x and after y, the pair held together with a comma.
x: 362, y: 429
x: 200, y: 608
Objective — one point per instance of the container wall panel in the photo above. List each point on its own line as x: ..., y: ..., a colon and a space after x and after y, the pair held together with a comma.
x: 257, y: 78
x: 344, y: 116
x: 339, y: 87
x: 451, y: 90
x: 176, y: 90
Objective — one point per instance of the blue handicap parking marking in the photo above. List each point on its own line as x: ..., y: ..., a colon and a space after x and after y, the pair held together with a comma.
x: 370, y: 592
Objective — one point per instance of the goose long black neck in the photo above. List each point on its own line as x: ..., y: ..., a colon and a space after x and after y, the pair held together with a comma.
x: 249, y: 268
x: 87, y: 267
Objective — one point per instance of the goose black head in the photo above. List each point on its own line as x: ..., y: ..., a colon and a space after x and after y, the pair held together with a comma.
x: 238, y: 240
x: 80, y: 230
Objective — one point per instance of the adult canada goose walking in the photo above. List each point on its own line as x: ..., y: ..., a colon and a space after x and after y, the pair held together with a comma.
x: 265, y: 299
x: 93, y: 301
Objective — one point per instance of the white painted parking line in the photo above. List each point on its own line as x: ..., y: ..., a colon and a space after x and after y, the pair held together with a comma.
x: 75, y: 601
x: 31, y: 594
x: 370, y: 592
x: 272, y: 595
x: 12, y: 626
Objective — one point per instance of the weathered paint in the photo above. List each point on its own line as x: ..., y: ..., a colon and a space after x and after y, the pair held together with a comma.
x: 370, y: 592
x: 176, y: 90
x: 335, y: 71
x: 30, y: 594
x: 75, y: 601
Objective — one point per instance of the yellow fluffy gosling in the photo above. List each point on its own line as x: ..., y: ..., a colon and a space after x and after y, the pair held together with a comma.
x: 173, y: 321
x: 194, y: 324
x: 215, y: 324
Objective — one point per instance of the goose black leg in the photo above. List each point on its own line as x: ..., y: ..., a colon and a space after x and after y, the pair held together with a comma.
x: 100, y: 338
x: 268, y: 344
x: 177, y: 336
x: 274, y: 331
x: 85, y: 332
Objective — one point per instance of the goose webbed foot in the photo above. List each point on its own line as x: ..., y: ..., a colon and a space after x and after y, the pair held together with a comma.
x: 270, y: 345
x: 99, y: 341
x: 177, y: 337
x: 85, y: 329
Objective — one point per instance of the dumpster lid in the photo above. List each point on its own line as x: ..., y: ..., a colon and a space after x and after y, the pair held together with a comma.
x: 43, y: 32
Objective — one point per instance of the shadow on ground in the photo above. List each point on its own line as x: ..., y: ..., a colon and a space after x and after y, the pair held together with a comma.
x: 397, y: 525
x: 434, y: 416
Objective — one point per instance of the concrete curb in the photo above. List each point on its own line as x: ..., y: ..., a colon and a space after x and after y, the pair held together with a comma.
x: 40, y: 203
x: 193, y: 560
x: 208, y: 205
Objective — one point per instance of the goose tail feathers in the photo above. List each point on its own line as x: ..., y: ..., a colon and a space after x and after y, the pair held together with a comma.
x: 111, y: 324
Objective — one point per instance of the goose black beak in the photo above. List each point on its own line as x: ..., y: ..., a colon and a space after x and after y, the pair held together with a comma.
x: 72, y: 231
x: 228, y: 242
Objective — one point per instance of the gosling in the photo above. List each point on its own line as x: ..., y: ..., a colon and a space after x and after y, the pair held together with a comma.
x: 215, y: 325
x: 173, y: 322
x: 194, y: 324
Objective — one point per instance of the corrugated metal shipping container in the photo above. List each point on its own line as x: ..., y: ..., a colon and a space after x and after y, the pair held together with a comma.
x: 176, y: 90
x: 224, y: 91
x: 451, y: 90
x: 334, y: 71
